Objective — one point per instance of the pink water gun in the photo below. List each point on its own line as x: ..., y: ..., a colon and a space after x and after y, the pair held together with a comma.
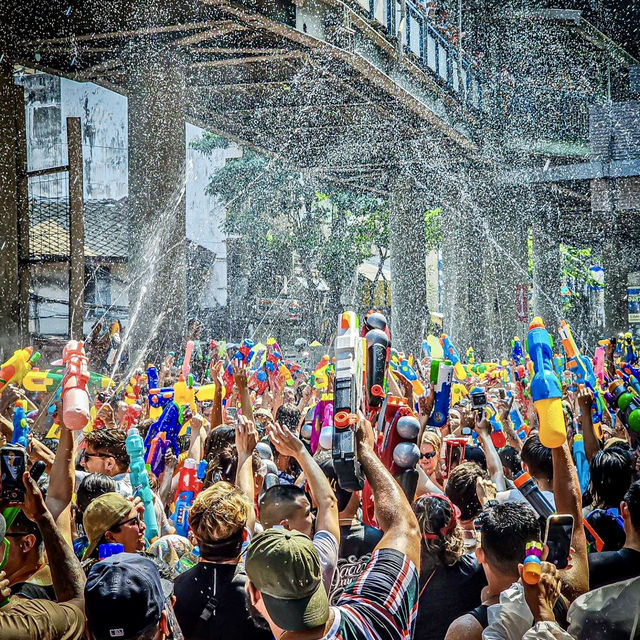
x: 186, y: 363
x: 598, y: 364
x: 75, y: 396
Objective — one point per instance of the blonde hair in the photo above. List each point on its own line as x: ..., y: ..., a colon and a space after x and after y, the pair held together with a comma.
x: 219, y: 512
x: 432, y: 438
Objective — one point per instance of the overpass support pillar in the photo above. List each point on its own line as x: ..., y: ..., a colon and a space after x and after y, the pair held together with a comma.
x: 157, y: 220
x: 547, y: 267
x: 616, y: 262
x: 409, y: 311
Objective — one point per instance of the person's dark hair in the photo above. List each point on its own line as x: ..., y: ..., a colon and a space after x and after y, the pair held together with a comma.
x: 224, y: 466
x: 505, y: 531
x: 92, y: 487
x: 112, y: 441
x: 278, y: 503
x: 288, y: 416
x: 218, y: 439
x: 632, y: 498
x: 461, y: 489
x: 510, y: 459
x: 537, y: 457
x: 611, y: 474
x: 22, y: 524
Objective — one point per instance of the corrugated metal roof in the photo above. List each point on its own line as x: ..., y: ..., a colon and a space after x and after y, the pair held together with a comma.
x: 105, y: 228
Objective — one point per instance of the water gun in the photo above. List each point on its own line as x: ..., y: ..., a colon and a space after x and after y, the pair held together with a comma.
x: 245, y: 351
x: 517, y: 352
x: 184, y: 392
x: 627, y: 403
x: 273, y: 356
x: 75, y: 394
x: 458, y: 391
x: 36, y: 380
x: 471, y: 355
x: 451, y: 353
x: 545, y: 388
x: 582, y: 464
x: 399, y: 451
x: 497, y: 432
x: 519, y: 425
x: 17, y: 366
x: 114, y: 344
x: 322, y: 418
x: 532, y: 565
x: 559, y: 365
x: 188, y: 353
x: 598, y: 364
x: 157, y: 452
x: 131, y: 415
x: 158, y: 398
x: 378, y: 345
x: 20, y: 424
x: 629, y: 353
x: 531, y: 492
x: 186, y: 492
x: 409, y: 373
x: 169, y: 423
x: 426, y: 348
x: 347, y: 399
x: 132, y: 390
x: 140, y: 480
x: 629, y: 379
x: 441, y: 375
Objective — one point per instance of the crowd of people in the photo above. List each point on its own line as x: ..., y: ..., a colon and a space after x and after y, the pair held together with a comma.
x: 276, y: 547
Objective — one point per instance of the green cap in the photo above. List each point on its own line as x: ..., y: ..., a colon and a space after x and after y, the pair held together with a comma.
x: 285, y: 567
x: 102, y: 514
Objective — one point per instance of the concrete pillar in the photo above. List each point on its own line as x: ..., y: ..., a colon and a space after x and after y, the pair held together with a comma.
x: 157, y: 222
x: 409, y: 312
x: 546, y: 265
x: 615, y: 262
x: 9, y: 291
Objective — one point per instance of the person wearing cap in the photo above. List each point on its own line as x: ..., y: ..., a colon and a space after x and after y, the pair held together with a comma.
x: 451, y: 581
x: 111, y: 518
x: 357, y: 540
x: 285, y: 574
x: 126, y: 598
x: 39, y: 619
x: 287, y: 505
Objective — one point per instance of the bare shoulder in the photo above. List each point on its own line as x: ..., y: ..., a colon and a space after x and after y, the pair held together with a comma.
x: 465, y: 627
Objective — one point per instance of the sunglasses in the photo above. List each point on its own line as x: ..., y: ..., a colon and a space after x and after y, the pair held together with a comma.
x: 86, y: 455
x: 132, y: 521
x: 428, y: 456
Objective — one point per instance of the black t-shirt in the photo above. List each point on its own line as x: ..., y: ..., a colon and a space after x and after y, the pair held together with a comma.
x: 357, y: 542
x: 34, y: 591
x: 451, y: 592
x: 613, y: 566
x: 210, y: 604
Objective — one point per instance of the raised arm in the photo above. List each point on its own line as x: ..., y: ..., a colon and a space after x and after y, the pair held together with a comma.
x: 591, y: 442
x: 66, y: 573
x: 566, y: 490
x: 240, y: 377
x: 494, y: 464
x: 216, y: 410
x: 288, y: 444
x: 62, y: 475
x: 246, y: 440
x: 393, y: 511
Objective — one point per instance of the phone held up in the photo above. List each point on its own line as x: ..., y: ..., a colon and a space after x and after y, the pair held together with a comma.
x: 557, y: 537
x: 13, y: 463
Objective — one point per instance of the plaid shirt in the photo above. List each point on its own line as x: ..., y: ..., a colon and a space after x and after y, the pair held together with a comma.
x: 381, y: 604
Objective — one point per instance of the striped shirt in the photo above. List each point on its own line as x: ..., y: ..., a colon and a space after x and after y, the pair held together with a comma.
x: 381, y: 604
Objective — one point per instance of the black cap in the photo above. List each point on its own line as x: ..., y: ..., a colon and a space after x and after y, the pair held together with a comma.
x: 343, y: 496
x: 124, y: 596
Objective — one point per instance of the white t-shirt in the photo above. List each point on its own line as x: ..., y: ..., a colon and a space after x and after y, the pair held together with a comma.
x: 327, y: 547
x: 515, y: 496
x: 122, y: 480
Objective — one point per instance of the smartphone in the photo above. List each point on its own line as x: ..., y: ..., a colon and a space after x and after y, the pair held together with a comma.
x: 13, y: 462
x: 465, y: 431
x: 232, y: 413
x: 557, y: 537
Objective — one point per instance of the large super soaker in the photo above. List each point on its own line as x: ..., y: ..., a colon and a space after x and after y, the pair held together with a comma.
x: 20, y: 424
x: 441, y: 376
x: 75, y: 393
x: 140, y: 480
x: 545, y: 389
x: 17, y: 366
x: 451, y: 353
x: 347, y: 398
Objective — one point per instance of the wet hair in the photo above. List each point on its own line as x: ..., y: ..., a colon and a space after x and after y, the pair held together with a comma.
x: 218, y: 512
x: 224, y: 466
x: 112, y: 441
x: 93, y: 486
x: 632, y: 498
x: 22, y: 524
x: 505, y: 531
x: 611, y: 474
x: 432, y: 438
x: 217, y: 439
x: 279, y: 503
x: 288, y: 416
x: 510, y: 459
x: 537, y: 457
x: 461, y: 489
x: 438, y: 548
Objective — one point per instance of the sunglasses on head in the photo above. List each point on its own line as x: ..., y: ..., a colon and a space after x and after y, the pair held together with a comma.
x: 428, y: 456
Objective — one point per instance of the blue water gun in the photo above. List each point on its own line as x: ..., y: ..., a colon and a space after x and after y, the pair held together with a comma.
x: 245, y: 351
x: 582, y: 464
x: 20, y: 424
x: 170, y: 423
x: 140, y: 480
x: 158, y: 398
x: 517, y: 420
x: 441, y: 376
x: 451, y: 353
x: 517, y: 352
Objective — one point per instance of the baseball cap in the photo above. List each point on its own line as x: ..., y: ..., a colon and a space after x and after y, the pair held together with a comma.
x: 285, y: 567
x: 103, y: 513
x: 343, y: 496
x: 124, y: 596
